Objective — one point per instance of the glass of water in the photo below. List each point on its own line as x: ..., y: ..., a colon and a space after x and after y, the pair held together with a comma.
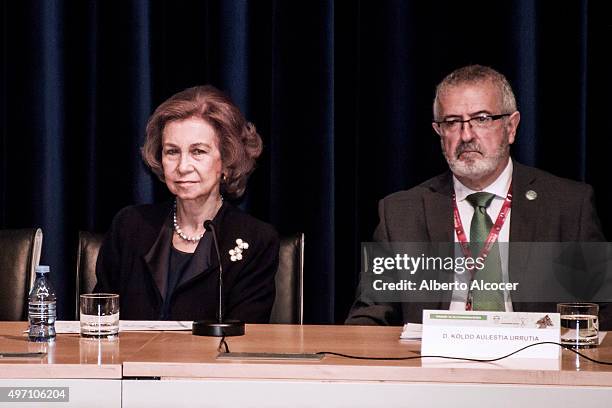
x: 579, y: 324
x: 99, y: 315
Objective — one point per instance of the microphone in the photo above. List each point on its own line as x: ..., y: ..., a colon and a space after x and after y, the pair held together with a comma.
x: 220, y: 328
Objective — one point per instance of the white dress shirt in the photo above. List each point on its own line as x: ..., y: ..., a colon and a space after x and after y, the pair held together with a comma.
x: 500, y: 188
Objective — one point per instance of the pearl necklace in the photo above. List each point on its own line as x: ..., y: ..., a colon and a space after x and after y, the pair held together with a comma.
x: 180, y: 232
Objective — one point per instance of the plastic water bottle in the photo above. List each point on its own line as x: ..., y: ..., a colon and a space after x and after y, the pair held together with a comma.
x: 41, y: 307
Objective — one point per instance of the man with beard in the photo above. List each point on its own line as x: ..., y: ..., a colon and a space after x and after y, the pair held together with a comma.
x: 486, y: 194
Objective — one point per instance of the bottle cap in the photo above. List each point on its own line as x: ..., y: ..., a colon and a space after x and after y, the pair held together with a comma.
x: 42, y: 269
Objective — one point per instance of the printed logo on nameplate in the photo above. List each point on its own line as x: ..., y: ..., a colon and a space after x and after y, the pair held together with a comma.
x: 485, y: 335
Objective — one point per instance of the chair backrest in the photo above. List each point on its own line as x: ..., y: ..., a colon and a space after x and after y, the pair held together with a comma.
x: 19, y: 255
x: 87, y: 255
x: 288, y: 305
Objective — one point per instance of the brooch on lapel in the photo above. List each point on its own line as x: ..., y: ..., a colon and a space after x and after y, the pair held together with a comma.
x: 531, y: 195
x: 236, y: 253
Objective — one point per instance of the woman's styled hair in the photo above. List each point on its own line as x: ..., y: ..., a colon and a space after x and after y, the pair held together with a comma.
x: 239, y: 142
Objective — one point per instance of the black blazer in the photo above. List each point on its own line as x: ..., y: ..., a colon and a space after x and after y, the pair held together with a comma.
x: 134, y: 259
x: 563, y: 211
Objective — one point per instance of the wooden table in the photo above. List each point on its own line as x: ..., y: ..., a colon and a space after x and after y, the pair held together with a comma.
x: 186, y: 367
x: 158, y: 369
x: 92, y: 369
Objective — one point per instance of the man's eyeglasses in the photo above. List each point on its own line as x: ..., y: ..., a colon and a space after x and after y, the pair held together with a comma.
x: 477, y: 122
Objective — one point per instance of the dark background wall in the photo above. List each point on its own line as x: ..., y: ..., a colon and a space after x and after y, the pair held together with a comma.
x: 340, y: 91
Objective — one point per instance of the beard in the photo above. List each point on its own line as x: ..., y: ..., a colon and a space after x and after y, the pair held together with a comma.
x: 480, y: 166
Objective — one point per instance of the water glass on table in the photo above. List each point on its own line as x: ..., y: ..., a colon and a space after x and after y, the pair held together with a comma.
x: 579, y: 324
x: 99, y: 315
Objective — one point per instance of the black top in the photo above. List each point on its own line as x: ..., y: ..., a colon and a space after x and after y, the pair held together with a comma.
x: 179, y: 261
x: 135, y: 257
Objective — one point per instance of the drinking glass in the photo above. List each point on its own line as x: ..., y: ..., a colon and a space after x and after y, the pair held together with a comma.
x: 579, y: 324
x: 99, y: 315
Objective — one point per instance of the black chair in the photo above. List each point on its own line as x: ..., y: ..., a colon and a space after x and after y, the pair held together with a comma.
x: 288, y: 305
x: 87, y: 255
x: 19, y: 255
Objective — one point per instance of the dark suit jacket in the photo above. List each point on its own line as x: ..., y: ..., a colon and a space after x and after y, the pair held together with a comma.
x: 134, y: 259
x: 562, y: 212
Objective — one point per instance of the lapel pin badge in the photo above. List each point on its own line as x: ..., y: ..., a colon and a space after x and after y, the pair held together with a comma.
x: 531, y: 195
x: 236, y: 253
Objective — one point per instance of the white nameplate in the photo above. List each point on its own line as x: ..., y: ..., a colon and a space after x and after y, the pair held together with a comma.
x: 485, y: 335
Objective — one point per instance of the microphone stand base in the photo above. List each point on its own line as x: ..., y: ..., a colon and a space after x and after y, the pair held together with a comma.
x: 213, y: 328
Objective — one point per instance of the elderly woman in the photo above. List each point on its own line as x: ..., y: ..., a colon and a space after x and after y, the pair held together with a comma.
x: 160, y: 258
